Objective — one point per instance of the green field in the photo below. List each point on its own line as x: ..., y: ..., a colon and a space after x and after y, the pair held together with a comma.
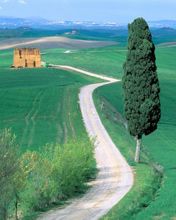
x: 40, y: 105
x: 41, y: 108
x: 161, y: 146
x: 106, y: 60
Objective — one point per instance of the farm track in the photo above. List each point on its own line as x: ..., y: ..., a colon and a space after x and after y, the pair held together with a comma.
x: 30, y: 119
x: 33, y: 119
x: 115, y: 177
x: 66, y: 105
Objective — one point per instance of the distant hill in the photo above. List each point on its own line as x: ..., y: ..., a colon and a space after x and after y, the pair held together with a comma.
x: 162, y: 31
x: 10, y: 22
x: 13, y: 23
x: 162, y: 35
x: 163, y: 24
x: 26, y: 32
x: 117, y: 35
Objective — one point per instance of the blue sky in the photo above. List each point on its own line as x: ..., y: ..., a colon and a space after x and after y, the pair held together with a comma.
x: 121, y: 11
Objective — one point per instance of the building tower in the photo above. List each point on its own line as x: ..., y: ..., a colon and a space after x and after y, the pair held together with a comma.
x: 27, y: 58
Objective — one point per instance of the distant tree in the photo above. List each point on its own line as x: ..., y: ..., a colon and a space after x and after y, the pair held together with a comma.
x: 8, y: 169
x: 140, y: 83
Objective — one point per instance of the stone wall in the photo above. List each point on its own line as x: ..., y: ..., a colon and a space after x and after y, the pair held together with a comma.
x: 27, y: 58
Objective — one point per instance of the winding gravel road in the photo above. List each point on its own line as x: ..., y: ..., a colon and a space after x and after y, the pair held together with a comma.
x: 115, y: 177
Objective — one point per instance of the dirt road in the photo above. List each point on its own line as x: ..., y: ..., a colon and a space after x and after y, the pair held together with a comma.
x: 115, y: 177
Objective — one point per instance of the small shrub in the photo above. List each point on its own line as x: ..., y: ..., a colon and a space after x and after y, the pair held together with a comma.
x: 56, y: 173
x: 73, y: 166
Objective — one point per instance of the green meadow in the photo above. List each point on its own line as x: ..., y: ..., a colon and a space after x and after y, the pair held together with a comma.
x: 151, y: 196
x: 41, y: 108
x: 105, y: 60
x: 40, y: 105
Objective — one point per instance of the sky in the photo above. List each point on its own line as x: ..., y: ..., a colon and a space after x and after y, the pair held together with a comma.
x: 120, y: 11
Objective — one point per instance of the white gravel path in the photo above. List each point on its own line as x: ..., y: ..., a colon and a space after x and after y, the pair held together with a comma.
x: 115, y: 177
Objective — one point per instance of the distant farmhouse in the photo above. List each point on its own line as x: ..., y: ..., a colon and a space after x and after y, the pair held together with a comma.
x: 27, y: 58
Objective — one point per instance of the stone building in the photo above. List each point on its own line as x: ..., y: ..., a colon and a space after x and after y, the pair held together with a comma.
x: 27, y: 58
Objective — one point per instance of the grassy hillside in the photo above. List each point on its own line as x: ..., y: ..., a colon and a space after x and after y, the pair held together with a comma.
x: 106, y: 60
x: 161, y: 146
x: 160, y: 35
x: 40, y: 105
x: 27, y: 32
x: 40, y: 94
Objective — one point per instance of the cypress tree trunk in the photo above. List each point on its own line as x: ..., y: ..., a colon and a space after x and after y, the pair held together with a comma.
x: 138, y: 149
x: 4, y: 214
x: 16, y: 208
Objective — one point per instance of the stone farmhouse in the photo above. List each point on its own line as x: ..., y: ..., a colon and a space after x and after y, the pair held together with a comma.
x: 27, y: 58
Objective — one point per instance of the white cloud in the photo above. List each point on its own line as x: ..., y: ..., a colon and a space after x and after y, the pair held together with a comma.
x: 22, y: 2
x: 19, y: 1
x: 5, y: 1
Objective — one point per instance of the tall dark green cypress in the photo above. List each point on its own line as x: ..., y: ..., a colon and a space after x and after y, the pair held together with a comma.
x: 140, y: 83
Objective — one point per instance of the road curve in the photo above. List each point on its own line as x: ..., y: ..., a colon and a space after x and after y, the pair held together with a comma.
x: 115, y: 177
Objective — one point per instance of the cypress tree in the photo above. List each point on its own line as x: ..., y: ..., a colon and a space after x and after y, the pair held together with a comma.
x: 140, y: 83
